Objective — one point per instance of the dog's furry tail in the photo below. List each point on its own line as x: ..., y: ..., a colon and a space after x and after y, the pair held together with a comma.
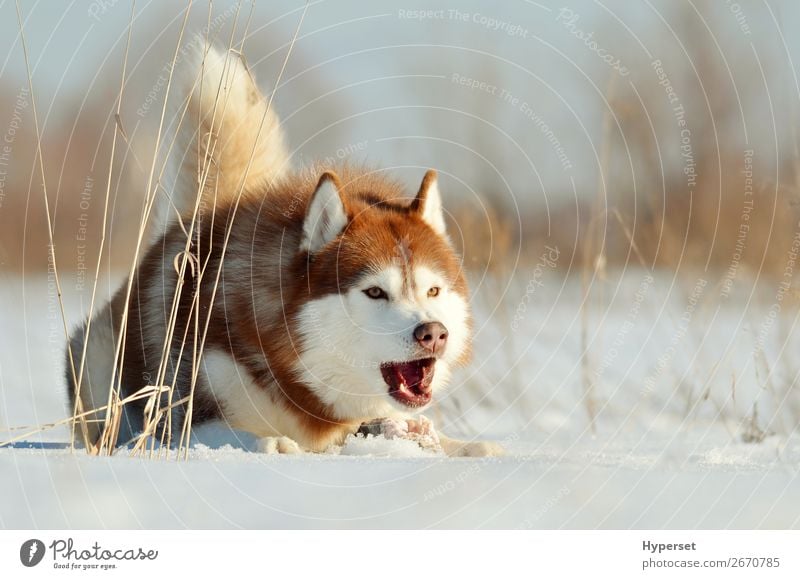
x: 226, y: 123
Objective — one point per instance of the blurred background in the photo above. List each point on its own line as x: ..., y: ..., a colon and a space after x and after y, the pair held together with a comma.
x: 544, y: 120
x: 577, y: 144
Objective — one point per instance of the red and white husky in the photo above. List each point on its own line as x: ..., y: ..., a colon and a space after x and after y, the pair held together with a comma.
x: 339, y: 301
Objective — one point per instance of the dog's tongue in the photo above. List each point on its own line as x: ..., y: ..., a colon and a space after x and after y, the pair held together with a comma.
x: 409, y: 382
x: 411, y: 374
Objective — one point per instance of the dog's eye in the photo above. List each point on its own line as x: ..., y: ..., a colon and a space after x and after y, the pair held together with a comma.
x: 376, y: 293
x: 433, y: 292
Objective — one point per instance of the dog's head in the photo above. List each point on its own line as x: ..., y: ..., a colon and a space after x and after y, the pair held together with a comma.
x: 387, y: 315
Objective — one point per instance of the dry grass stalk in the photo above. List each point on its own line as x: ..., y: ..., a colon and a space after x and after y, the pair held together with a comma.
x: 78, y: 408
x: 144, y: 392
x: 52, y: 246
x: 119, y: 354
x: 594, y: 260
x: 153, y: 414
x: 187, y: 423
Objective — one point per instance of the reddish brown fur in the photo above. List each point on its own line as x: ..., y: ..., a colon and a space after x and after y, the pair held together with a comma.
x: 262, y: 258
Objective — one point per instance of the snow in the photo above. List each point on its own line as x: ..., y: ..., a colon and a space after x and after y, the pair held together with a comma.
x: 695, y: 426
x: 378, y: 446
x: 392, y: 487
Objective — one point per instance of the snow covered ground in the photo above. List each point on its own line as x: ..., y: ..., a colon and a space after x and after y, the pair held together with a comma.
x: 683, y: 414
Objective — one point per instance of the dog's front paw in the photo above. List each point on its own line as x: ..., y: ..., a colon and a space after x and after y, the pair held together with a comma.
x: 455, y: 447
x: 393, y: 428
x: 278, y: 445
x: 418, y: 430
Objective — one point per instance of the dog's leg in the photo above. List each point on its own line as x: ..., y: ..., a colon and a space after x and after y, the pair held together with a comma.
x: 421, y: 429
x: 278, y: 445
x: 454, y: 447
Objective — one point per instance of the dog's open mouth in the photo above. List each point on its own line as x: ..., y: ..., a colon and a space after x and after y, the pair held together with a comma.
x: 409, y: 382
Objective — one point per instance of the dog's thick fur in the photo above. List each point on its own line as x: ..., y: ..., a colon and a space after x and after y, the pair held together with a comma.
x: 299, y: 335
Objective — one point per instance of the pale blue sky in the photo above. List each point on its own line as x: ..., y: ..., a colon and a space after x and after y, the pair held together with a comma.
x: 380, y: 77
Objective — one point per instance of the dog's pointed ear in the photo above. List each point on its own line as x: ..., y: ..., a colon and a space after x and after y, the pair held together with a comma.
x: 428, y: 203
x: 326, y: 216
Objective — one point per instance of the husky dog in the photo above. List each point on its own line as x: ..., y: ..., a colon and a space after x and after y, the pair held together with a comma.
x: 315, y: 300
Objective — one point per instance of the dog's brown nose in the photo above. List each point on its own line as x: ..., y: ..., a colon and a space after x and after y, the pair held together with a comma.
x: 432, y: 336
